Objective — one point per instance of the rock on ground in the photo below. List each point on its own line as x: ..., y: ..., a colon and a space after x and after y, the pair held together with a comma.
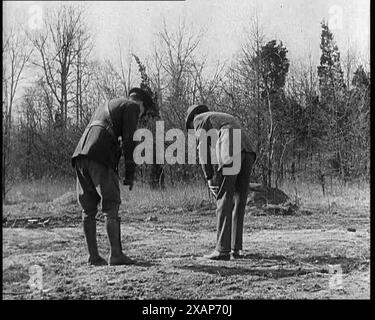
x: 260, y: 195
x: 66, y: 199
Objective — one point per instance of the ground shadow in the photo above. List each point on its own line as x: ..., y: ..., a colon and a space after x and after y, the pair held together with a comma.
x: 232, y: 271
x: 347, y: 264
x: 143, y: 263
x: 288, y: 266
x: 259, y: 256
x: 138, y: 263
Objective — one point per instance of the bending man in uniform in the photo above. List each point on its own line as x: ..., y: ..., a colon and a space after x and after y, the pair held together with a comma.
x: 228, y: 178
x: 95, y: 160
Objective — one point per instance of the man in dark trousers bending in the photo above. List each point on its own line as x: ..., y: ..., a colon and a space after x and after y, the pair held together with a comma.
x: 95, y: 160
x: 228, y: 177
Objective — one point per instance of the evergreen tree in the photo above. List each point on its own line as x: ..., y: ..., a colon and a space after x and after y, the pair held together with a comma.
x: 361, y: 79
x: 331, y: 76
x: 332, y: 90
x: 273, y: 66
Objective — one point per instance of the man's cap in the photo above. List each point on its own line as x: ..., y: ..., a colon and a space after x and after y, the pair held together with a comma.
x: 192, y: 111
x: 144, y: 96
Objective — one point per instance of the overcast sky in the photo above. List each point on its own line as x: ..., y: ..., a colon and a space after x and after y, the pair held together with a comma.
x: 295, y: 22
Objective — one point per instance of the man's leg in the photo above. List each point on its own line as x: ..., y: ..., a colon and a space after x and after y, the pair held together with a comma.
x: 107, y: 185
x: 224, y: 206
x: 240, y: 199
x: 89, y: 200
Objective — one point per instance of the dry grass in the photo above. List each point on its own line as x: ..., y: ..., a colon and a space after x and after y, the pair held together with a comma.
x: 337, y: 194
x: 178, y: 196
x: 43, y: 190
x: 142, y: 197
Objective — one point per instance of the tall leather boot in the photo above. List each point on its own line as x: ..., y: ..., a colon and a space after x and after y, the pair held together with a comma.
x: 89, y: 229
x: 116, y: 257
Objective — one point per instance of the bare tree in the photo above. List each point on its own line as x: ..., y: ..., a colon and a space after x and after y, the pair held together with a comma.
x: 60, y: 48
x: 177, y: 58
x: 126, y: 68
x: 83, y: 49
x: 16, y: 55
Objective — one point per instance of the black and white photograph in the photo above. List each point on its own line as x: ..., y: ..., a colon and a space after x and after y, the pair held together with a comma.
x: 207, y: 151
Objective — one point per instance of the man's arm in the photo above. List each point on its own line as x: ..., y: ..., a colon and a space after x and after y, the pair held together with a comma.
x: 204, y: 148
x: 129, y: 126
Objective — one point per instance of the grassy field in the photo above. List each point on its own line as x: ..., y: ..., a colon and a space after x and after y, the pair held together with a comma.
x: 166, y: 232
x: 307, y: 194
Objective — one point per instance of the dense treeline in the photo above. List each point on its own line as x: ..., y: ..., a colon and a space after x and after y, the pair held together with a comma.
x: 311, y: 121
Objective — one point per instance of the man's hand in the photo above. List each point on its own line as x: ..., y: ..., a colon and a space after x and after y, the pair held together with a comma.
x: 214, y: 189
x: 127, y: 182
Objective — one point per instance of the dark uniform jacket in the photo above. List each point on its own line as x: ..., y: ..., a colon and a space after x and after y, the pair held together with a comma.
x: 99, y: 142
x: 224, y: 145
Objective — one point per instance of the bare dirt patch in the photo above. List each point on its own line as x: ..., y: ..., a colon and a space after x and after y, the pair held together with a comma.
x: 286, y: 257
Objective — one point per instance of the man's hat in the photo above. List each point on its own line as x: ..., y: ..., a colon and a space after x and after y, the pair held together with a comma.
x: 192, y: 111
x: 144, y: 96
